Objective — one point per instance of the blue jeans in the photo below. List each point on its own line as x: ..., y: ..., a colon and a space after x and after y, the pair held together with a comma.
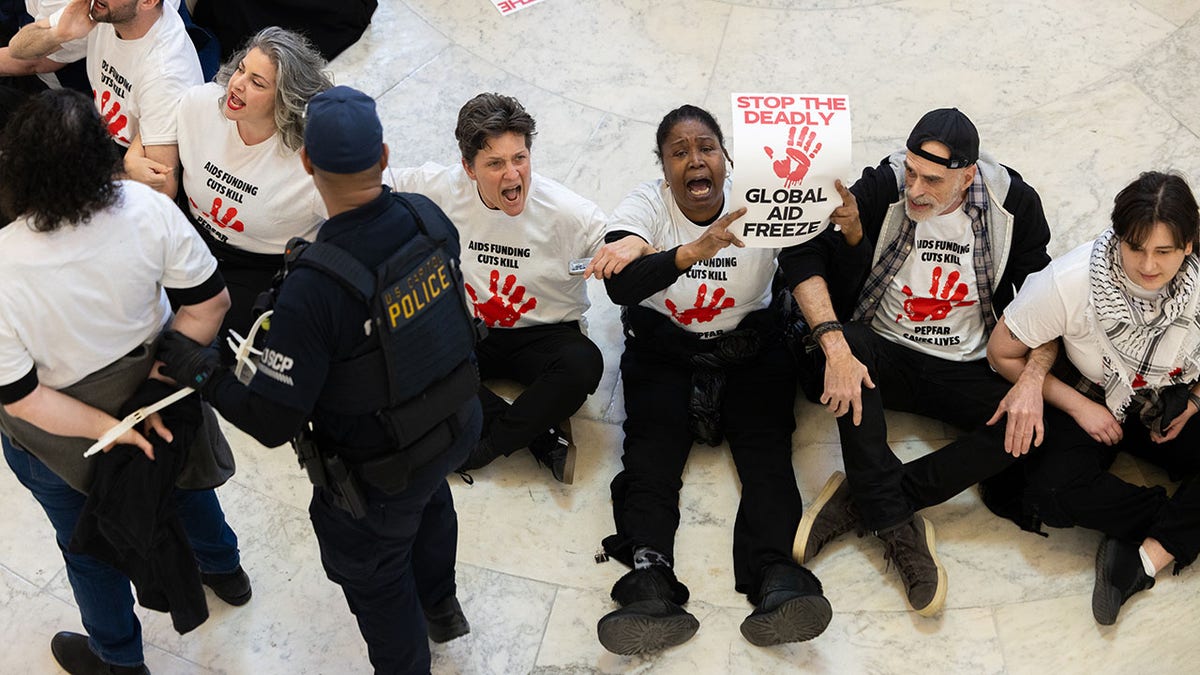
x: 103, y: 593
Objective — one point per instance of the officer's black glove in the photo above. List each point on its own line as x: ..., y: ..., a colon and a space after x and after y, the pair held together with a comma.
x: 186, y: 361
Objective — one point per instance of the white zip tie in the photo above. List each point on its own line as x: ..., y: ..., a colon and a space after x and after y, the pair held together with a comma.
x: 133, y: 419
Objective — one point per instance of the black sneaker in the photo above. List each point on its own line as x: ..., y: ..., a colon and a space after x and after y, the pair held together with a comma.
x: 73, y: 653
x: 792, y: 609
x: 1119, y: 574
x: 446, y: 620
x: 830, y: 516
x: 910, y: 548
x: 231, y: 587
x: 646, y: 626
x: 554, y: 450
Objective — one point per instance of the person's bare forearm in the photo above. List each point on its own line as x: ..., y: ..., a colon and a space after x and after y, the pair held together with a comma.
x: 34, y: 41
x: 812, y: 296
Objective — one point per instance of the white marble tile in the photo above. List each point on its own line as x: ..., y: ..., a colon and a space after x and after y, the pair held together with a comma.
x: 395, y: 45
x: 633, y: 58
x: 1059, y: 635
x: 27, y: 546
x: 1088, y: 145
x: 1077, y: 96
x: 1177, y: 12
x: 898, y: 60
x: 508, y: 620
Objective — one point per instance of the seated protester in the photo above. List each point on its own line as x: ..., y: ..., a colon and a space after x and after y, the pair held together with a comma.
x: 239, y: 142
x: 140, y: 60
x: 917, y: 338
x: 521, y: 231
x: 84, y: 265
x: 702, y: 360
x: 1127, y: 308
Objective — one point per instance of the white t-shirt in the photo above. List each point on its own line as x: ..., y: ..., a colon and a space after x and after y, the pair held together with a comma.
x: 80, y: 297
x: 932, y: 304
x: 515, y: 268
x: 252, y: 197
x: 137, y: 83
x: 1056, y: 302
x: 714, y: 295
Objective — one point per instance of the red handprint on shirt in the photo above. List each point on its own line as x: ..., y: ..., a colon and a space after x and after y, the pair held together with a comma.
x: 113, y: 119
x: 798, y: 156
x: 496, y: 311
x: 699, y: 312
x: 936, y: 307
x: 219, y: 220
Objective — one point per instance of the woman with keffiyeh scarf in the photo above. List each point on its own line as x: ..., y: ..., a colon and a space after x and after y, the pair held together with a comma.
x: 1127, y: 308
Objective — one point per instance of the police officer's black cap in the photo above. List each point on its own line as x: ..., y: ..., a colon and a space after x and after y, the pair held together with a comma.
x: 951, y: 128
x: 342, y: 132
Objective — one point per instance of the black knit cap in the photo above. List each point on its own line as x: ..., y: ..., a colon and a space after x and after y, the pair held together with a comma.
x: 951, y: 128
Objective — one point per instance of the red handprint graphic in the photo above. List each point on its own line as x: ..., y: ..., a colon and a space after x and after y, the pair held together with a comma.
x: 495, y: 311
x: 699, y: 312
x: 112, y: 116
x: 219, y: 220
x: 798, y: 156
x: 936, y: 307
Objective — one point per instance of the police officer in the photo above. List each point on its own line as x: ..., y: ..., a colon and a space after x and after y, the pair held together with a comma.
x: 341, y: 361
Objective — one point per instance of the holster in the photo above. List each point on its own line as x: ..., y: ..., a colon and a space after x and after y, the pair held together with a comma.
x: 328, y: 471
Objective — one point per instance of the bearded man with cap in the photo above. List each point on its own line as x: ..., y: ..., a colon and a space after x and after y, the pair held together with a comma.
x: 929, y: 248
x: 381, y: 508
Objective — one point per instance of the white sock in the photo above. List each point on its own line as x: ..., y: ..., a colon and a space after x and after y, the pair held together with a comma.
x: 1146, y: 564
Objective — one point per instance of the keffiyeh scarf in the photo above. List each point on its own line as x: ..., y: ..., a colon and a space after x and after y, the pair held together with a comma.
x: 1146, y: 344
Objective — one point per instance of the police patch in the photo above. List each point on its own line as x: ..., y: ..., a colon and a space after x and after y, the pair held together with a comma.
x: 412, y: 295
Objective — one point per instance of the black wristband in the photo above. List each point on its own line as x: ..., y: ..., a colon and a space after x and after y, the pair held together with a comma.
x: 1194, y: 399
x: 823, y: 328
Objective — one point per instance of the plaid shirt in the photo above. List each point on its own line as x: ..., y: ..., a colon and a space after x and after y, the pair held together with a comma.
x: 880, y: 278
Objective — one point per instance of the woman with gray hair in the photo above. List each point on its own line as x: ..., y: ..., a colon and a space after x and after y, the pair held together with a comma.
x: 239, y: 142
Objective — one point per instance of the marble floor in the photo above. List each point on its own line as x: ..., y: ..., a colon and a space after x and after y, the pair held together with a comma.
x: 1079, y: 95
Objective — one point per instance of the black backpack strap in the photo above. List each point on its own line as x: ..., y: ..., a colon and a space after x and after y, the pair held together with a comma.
x: 345, y: 268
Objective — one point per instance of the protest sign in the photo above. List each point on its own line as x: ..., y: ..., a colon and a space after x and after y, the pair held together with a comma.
x: 507, y: 7
x: 788, y: 151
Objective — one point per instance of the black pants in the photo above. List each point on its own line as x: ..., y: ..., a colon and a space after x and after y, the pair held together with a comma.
x: 1069, y: 485
x: 397, y: 559
x: 559, y: 366
x: 965, y: 394
x: 246, y: 275
x: 758, y: 416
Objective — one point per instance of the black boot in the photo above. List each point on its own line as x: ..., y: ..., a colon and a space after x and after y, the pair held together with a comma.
x: 73, y: 653
x: 446, y: 621
x: 651, y: 617
x: 791, y: 608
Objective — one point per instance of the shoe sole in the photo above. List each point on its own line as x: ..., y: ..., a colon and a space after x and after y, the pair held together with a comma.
x: 631, y: 634
x: 939, y: 596
x: 1106, y: 600
x: 569, y: 464
x: 800, y: 544
x: 797, y: 620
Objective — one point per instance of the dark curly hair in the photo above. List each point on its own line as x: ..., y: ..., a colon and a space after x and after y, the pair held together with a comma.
x: 487, y: 116
x: 58, y: 163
